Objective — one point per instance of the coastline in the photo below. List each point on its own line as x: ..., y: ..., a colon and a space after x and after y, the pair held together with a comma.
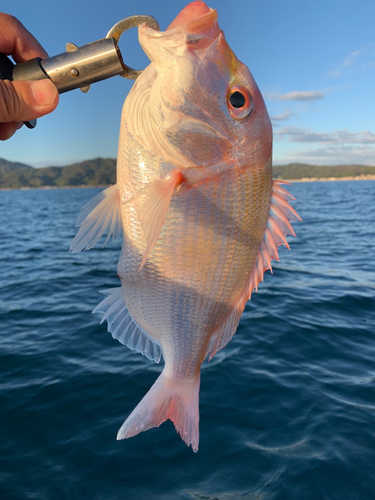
x: 28, y: 188
x: 330, y: 179
x: 304, y: 179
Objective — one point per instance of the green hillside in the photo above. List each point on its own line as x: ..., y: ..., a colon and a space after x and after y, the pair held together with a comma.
x: 102, y: 172
x: 97, y: 172
x: 303, y: 171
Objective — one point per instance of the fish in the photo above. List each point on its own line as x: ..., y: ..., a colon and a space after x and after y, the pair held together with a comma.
x: 200, y: 214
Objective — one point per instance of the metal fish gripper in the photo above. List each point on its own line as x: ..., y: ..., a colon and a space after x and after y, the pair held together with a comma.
x: 79, y: 67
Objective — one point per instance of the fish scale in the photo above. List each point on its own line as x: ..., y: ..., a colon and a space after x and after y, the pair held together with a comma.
x: 200, y: 214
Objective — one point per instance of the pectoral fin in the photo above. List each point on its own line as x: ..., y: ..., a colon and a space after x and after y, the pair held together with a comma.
x: 151, y: 205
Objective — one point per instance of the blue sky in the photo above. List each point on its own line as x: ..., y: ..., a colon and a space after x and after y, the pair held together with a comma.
x: 314, y: 62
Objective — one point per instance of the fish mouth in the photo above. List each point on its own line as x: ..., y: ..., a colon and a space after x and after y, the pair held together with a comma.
x: 192, y: 21
x: 196, y: 26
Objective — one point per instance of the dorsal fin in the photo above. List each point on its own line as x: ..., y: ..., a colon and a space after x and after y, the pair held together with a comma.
x: 221, y: 338
x: 278, y: 227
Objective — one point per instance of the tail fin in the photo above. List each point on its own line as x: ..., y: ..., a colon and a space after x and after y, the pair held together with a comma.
x: 177, y: 400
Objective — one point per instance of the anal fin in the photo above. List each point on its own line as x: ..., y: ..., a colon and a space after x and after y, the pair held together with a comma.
x: 124, y: 328
x: 151, y: 204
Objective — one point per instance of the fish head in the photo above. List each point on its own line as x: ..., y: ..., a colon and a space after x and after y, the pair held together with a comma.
x: 203, y: 106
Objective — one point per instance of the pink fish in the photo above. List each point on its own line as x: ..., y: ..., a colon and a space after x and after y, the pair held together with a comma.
x: 200, y: 214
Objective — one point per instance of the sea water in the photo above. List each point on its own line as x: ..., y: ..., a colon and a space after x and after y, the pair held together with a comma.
x: 287, y: 409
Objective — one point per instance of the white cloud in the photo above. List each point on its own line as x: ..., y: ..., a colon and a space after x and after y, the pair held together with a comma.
x: 340, y: 137
x: 361, y: 59
x: 282, y: 116
x: 298, y: 95
x: 326, y: 148
x: 330, y: 155
x: 335, y: 73
x: 352, y: 57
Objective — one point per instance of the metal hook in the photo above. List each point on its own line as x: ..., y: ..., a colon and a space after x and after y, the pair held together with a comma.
x: 125, y: 24
x: 79, y: 67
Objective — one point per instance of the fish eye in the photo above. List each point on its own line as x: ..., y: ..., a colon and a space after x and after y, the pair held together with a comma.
x: 240, y: 103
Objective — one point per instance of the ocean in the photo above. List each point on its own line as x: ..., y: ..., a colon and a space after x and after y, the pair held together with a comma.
x: 287, y: 409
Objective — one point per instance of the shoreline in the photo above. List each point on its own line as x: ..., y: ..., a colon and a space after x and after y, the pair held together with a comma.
x: 362, y: 177
x: 304, y: 179
x: 29, y: 188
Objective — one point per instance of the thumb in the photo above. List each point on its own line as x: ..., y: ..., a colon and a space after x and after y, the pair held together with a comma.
x: 24, y: 100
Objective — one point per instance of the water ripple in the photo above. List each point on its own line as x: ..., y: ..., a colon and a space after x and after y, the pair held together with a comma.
x: 287, y: 408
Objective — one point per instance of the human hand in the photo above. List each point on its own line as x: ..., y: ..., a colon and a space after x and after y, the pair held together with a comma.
x: 22, y: 101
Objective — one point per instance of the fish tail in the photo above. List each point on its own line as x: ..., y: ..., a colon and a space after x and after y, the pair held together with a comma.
x: 177, y: 400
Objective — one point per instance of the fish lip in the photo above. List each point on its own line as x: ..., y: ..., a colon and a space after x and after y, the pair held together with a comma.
x: 198, y: 26
x: 194, y: 26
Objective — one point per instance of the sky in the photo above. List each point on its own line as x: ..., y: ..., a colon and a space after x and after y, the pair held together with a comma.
x: 314, y: 62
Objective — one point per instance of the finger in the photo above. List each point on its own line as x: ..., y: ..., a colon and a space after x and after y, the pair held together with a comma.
x: 9, y: 129
x: 24, y: 101
x: 17, y: 41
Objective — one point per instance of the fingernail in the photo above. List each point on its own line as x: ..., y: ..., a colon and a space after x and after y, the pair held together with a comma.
x: 44, y: 92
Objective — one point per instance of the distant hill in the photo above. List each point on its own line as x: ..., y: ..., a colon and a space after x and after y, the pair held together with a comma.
x: 304, y: 171
x: 97, y: 172
x: 8, y: 166
x: 102, y: 172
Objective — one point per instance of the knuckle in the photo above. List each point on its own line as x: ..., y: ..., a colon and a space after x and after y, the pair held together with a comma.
x: 13, y: 24
x: 10, y: 108
x: 10, y: 20
x: 17, y: 24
